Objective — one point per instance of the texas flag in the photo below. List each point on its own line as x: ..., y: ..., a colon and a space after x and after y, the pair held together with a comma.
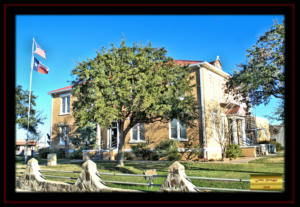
x: 37, y: 66
x: 39, y: 51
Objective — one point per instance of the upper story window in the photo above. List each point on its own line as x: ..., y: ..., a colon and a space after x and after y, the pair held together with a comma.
x: 138, y: 133
x: 65, y: 105
x: 177, y: 130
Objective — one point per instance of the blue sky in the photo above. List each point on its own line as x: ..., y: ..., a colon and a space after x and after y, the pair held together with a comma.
x: 68, y: 39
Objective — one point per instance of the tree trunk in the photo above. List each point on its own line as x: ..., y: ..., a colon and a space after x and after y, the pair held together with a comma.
x: 66, y: 149
x: 223, y: 153
x: 120, y: 156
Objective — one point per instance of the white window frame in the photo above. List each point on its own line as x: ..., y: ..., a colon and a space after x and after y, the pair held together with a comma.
x: 138, y: 135
x: 108, y: 137
x: 63, y: 127
x: 61, y: 104
x: 178, y: 132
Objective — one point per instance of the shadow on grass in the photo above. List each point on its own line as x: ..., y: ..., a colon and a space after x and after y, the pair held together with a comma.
x: 133, y: 166
x: 232, y: 170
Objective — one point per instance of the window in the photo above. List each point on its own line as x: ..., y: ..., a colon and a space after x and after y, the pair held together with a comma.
x: 138, y: 133
x: 177, y: 130
x: 64, y: 134
x: 65, y: 105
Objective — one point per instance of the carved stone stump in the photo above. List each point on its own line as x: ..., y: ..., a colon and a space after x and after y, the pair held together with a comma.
x: 177, y: 180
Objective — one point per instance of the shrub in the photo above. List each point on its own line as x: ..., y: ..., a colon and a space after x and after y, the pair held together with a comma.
x: 77, y: 154
x: 42, y: 153
x: 155, y: 155
x: 233, y: 151
x: 128, y: 156
x: 174, y: 156
x: 167, y: 148
x: 60, y: 153
x: 279, y: 147
x: 141, y: 150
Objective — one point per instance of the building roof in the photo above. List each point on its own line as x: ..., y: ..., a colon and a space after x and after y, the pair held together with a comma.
x: 179, y: 62
x: 23, y: 143
x: 182, y: 62
x: 233, y: 110
x: 61, y: 89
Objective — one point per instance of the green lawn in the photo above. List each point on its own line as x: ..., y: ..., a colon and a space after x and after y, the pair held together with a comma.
x: 266, y: 165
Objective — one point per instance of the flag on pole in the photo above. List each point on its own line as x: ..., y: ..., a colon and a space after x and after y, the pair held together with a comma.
x: 39, y: 51
x: 39, y: 67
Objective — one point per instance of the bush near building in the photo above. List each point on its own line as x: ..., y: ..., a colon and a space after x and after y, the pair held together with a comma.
x: 233, y: 151
x: 42, y: 153
x: 166, y: 150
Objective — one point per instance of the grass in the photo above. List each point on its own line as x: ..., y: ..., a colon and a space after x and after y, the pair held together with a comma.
x: 267, y: 165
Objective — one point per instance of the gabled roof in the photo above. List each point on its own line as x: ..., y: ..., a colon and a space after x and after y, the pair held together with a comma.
x: 23, y: 143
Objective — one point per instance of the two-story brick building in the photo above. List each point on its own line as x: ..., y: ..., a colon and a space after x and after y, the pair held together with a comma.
x: 221, y: 116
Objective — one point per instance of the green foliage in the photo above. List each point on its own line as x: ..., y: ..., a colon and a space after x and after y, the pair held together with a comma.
x: 42, y: 153
x: 128, y: 156
x: 22, y: 112
x: 141, y: 150
x: 139, y: 82
x: 134, y: 81
x: 278, y: 145
x: 174, y: 156
x: 77, y: 154
x: 233, y: 151
x: 263, y: 74
x: 167, y: 148
x: 60, y: 153
x: 85, y: 137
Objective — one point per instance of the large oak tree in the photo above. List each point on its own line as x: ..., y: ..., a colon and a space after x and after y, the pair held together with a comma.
x: 139, y: 84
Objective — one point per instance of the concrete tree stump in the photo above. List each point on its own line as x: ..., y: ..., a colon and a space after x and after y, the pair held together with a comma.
x: 33, y: 180
x: 89, y: 179
x: 51, y: 159
x: 32, y: 176
x: 177, y: 180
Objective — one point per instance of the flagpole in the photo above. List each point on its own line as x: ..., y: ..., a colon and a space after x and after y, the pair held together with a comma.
x: 29, y: 102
